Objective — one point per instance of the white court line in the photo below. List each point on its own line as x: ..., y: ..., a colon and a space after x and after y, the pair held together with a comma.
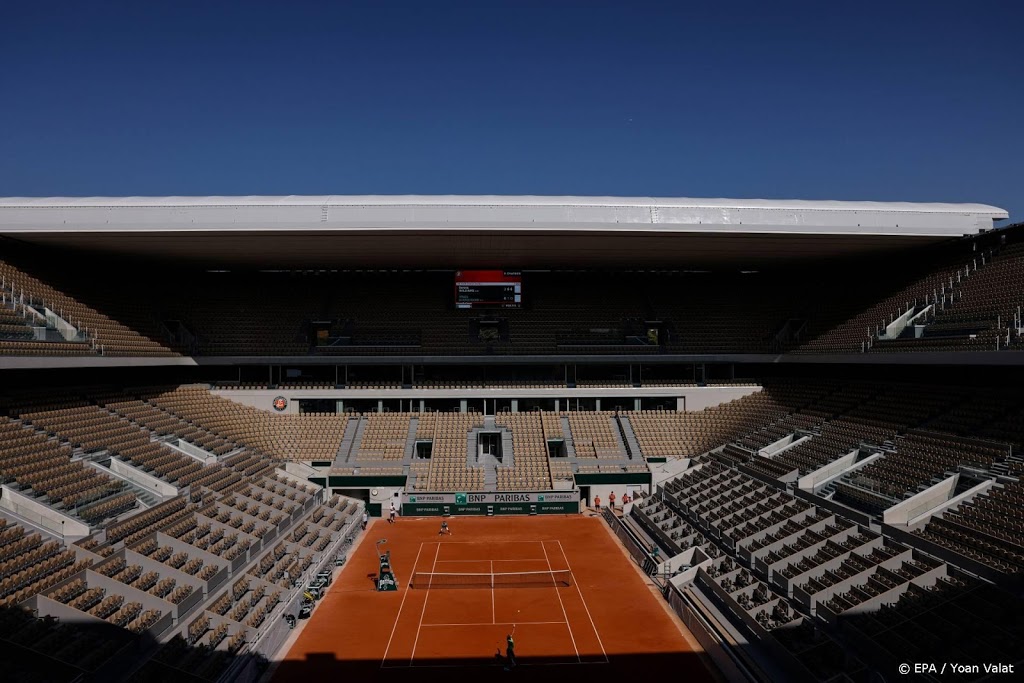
x: 559, y: 594
x: 575, y: 583
x: 485, y: 542
x: 419, y: 626
x: 407, y: 591
x: 527, y: 559
x: 494, y: 618
x: 500, y: 623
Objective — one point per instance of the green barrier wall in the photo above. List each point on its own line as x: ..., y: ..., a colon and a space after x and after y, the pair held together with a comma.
x: 432, y: 509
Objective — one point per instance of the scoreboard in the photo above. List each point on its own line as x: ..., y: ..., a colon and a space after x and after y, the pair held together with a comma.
x: 488, y: 289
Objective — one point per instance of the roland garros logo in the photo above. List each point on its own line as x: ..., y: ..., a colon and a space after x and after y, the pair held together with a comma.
x: 280, y: 403
x: 386, y: 581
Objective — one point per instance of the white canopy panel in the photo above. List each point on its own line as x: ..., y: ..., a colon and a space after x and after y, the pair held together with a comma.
x: 464, y: 231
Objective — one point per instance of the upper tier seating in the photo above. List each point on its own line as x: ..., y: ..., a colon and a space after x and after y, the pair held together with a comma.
x: 982, y: 313
x: 856, y: 333
x: 388, y: 313
x: 309, y: 436
x: 110, y: 337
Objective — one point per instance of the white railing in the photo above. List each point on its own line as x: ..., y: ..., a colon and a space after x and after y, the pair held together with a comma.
x: 899, y: 323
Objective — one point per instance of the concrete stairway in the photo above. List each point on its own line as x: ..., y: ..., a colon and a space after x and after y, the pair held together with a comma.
x: 620, y: 438
x: 148, y: 497
x: 410, y: 440
x: 346, y: 443
x: 570, y: 448
x: 353, y: 434
x: 632, y: 445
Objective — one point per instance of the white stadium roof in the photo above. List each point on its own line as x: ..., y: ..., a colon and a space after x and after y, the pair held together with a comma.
x: 494, y: 231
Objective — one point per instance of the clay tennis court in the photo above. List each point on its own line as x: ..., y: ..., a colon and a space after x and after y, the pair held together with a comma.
x: 577, y: 603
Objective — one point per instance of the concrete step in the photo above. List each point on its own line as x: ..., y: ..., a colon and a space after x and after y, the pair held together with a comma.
x: 148, y: 497
x: 410, y: 440
x: 628, y: 437
x: 570, y: 448
x: 347, y: 441
x: 506, y: 447
x: 619, y: 438
x: 357, y: 439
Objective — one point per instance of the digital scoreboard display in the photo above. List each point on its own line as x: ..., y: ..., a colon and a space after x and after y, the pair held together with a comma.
x: 488, y: 289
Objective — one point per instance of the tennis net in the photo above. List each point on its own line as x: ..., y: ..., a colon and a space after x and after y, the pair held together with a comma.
x: 554, y: 578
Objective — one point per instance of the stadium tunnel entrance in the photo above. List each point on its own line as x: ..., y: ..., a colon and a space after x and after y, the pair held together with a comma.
x: 377, y: 499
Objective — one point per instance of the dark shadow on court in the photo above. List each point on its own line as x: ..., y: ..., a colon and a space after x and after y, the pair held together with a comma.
x: 325, y: 666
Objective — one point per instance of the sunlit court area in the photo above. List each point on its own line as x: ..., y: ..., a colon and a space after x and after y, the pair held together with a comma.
x: 562, y: 587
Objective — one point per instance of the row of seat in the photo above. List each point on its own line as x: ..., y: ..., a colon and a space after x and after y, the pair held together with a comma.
x: 110, y: 336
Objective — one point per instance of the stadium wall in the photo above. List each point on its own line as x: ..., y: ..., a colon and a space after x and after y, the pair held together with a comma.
x: 481, y: 509
x: 689, y: 398
x: 43, y: 516
x: 491, y: 503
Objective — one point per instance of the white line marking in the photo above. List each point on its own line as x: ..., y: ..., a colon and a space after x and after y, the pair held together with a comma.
x: 583, y: 600
x: 528, y: 559
x: 485, y: 542
x: 564, y: 614
x: 494, y: 618
x: 501, y: 623
x: 424, y: 611
x: 407, y: 591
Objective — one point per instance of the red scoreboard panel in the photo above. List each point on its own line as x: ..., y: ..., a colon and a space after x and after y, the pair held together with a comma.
x: 488, y: 289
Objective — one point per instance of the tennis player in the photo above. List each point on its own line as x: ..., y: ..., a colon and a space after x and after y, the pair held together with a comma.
x: 444, y: 528
x: 510, y: 652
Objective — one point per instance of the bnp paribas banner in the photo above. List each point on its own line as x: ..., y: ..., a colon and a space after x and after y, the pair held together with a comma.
x: 386, y: 581
x: 491, y: 498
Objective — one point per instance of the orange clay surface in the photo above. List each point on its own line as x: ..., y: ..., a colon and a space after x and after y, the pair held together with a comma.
x: 607, y: 623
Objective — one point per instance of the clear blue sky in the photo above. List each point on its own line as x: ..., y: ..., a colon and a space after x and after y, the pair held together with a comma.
x: 818, y: 100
